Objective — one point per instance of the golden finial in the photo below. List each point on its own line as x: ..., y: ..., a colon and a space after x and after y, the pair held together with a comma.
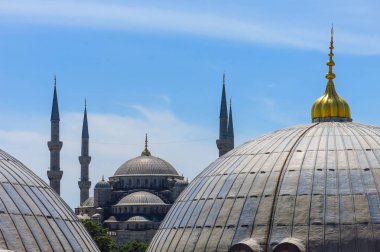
x: 146, y: 152
x: 330, y: 63
x: 330, y: 107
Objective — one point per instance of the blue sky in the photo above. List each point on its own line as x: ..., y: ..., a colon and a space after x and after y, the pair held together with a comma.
x: 156, y: 67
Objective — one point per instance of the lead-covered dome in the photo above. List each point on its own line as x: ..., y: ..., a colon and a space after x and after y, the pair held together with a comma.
x: 313, y: 187
x: 140, y: 198
x: 146, y: 164
x: 32, y: 216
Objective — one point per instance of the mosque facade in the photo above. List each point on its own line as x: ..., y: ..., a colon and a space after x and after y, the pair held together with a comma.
x: 313, y: 187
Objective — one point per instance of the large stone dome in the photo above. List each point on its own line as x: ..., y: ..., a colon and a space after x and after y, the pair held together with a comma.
x: 140, y: 198
x: 313, y: 187
x: 146, y: 165
x: 32, y: 216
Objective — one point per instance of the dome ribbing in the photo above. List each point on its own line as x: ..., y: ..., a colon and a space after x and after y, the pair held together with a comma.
x: 314, y: 186
x: 32, y: 216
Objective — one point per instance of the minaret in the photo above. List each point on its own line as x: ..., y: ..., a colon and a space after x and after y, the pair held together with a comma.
x: 230, y: 130
x: 224, y: 143
x: 55, y: 174
x: 84, y: 160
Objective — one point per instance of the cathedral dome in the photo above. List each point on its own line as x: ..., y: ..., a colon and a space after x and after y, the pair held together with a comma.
x: 140, y: 198
x: 317, y: 184
x: 313, y: 187
x: 32, y: 216
x: 146, y: 164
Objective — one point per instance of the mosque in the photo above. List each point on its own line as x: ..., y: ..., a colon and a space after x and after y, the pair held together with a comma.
x: 133, y: 202
x: 312, y: 187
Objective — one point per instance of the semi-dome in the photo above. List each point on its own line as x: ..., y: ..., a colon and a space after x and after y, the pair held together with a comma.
x: 140, y: 198
x: 88, y: 202
x: 318, y: 183
x: 32, y: 216
x: 137, y: 219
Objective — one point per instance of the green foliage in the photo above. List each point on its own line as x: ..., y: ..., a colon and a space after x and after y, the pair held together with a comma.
x: 133, y: 246
x: 100, y: 236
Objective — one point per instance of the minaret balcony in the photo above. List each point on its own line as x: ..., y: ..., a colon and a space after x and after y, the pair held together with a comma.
x: 54, y: 175
x: 57, y: 146
x: 84, y: 160
x: 84, y: 184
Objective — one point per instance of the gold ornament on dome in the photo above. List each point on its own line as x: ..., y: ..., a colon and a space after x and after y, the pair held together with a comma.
x: 330, y: 107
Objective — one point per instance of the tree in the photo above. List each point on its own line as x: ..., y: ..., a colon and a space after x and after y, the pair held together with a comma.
x: 100, y: 235
x: 133, y: 246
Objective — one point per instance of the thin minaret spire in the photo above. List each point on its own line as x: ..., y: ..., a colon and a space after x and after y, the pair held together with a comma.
x: 84, y: 160
x: 55, y: 145
x: 224, y: 143
x: 230, y: 131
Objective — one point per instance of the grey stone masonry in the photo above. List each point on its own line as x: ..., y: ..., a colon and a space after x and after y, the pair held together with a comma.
x: 84, y: 160
x: 55, y: 146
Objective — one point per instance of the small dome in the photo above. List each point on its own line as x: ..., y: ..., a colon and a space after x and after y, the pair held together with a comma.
x: 141, y: 198
x: 181, y: 182
x: 83, y: 216
x: 33, y: 217
x: 330, y: 107
x: 96, y: 216
x: 138, y: 219
x: 111, y: 219
x: 103, y: 184
x: 146, y: 165
x: 88, y: 202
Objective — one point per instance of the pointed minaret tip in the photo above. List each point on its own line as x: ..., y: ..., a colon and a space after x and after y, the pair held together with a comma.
x: 146, y: 152
x: 85, y: 133
x: 55, y: 109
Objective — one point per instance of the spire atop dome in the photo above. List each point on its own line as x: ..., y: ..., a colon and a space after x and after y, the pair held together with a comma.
x: 330, y: 63
x: 146, y: 152
x: 330, y: 107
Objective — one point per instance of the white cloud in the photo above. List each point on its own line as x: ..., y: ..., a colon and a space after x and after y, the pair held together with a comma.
x: 113, y: 140
x: 294, y: 33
